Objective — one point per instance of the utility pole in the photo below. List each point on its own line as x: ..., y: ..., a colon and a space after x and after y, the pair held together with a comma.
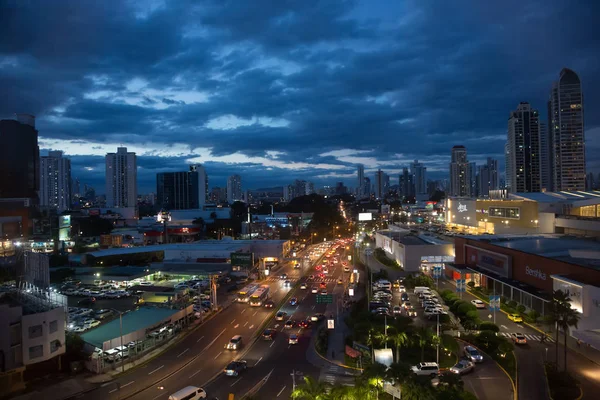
x: 385, y: 329
x: 438, y: 339
x: 293, y: 381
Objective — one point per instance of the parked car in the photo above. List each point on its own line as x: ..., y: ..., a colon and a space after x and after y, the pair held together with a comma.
x: 426, y: 369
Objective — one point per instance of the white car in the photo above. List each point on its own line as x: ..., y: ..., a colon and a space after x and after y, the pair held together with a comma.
x: 478, y: 303
x: 314, y: 290
x: 293, y: 339
x: 303, y: 286
x: 402, y: 289
x: 426, y: 369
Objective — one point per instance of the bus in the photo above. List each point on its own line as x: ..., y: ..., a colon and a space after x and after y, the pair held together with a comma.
x: 245, y: 293
x: 259, y: 296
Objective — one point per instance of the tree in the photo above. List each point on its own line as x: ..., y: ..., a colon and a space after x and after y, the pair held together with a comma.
x: 562, y: 316
x: 311, y: 389
x: 399, y: 372
x: 417, y: 389
x: 399, y: 339
x: 424, y: 336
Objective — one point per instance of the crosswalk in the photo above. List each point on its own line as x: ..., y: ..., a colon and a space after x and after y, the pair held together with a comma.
x: 533, y: 338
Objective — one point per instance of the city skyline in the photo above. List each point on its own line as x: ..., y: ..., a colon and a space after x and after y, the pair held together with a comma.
x: 192, y: 98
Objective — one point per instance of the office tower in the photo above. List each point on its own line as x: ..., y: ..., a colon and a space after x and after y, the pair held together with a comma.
x: 545, y: 168
x: 589, y: 181
x: 234, y: 189
x: 288, y: 192
x: 184, y: 190
x: 379, y: 184
x: 406, y: 183
x: 386, y: 184
x: 310, y: 188
x: 493, y: 173
x: 487, y: 177
x: 19, y: 158
x: 76, y: 188
x: 419, y: 177
x: 523, y: 139
x: 218, y: 195
x: 55, y: 181
x: 473, y: 179
x: 367, y: 187
x: 360, y: 188
x: 121, y: 179
x: 460, y: 173
x: 202, y: 183
x: 566, y: 133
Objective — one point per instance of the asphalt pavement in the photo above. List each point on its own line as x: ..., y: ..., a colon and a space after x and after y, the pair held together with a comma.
x: 199, y: 357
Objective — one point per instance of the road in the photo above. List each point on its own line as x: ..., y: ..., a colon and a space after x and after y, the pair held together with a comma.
x: 200, y: 356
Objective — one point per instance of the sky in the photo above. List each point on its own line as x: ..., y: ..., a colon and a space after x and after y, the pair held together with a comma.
x: 282, y: 90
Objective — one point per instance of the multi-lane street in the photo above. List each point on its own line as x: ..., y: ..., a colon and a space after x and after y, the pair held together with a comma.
x: 199, y: 358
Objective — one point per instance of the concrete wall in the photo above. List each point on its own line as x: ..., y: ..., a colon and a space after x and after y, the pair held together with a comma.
x: 10, y: 335
x: 44, y: 321
x: 409, y: 256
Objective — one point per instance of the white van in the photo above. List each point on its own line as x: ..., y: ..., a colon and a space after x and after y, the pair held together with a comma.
x: 387, y: 285
x: 189, y: 393
x: 422, y: 289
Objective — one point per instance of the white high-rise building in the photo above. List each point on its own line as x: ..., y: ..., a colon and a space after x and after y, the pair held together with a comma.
x: 202, y: 183
x: 55, y: 181
x: 121, y: 179
x: 234, y: 189
x: 460, y: 173
x: 566, y: 133
x: 523, y: 138
x: 419, y: 174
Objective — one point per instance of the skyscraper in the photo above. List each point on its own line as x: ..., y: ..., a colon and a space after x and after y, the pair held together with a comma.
x: 121, y: 179
x: 419, y: 177
x: 200, y: 173
x: 182, y: 190
x: 406, y: 183
x: 360, y: 188
x: 234, y: 189
x: 473, y: 179
x: 460, y: 173
x: 19, y: 158
x: 523, y: 138
x: 487, y: 177
x: 55, y: 181
x: 493, y: 178
x: 545, y: 167
x: 380, y: 184
x: 567, y: 135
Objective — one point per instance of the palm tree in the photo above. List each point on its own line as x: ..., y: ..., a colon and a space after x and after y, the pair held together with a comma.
x: 424, y: 335
x: 311, y: 389
x: 560, y: 302
x: 399, y: 339
x: 569, y: 318
x: 398, y: 372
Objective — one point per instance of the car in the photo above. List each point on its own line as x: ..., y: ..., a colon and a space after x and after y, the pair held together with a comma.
x: 317, y: 317
x: 397, y: 310
x: 293, y: 339
x: 340, y: 282
x: 462, y: 367
x: 235, y: 368
x: 411, y: 312
x: 478, y: 303
x: 515, y: 317
x: 288, y: 324
x: 269, y: 304
x: 325, y: 270
x: 426, y: 369
x: 283, y: 276
x: 311, y: 277
x: 396, y: 284
x: 472, y: 354
x: 404, y: 297
x: 86, y: 301
x: 287, y: 283
x: 303, y: 286
x: 346, y: 269
x: 294, y: 301
x: 402, y: 289
x: 406, y: 304
x: 314, y: 290
x: 324, y: 292
x: 268, y: 334
x: 235, y: 343
x: 280, y: 316
x: 518, y: 338
x: 305, y: 323
x: 92, y: 324
x: 323, y: 285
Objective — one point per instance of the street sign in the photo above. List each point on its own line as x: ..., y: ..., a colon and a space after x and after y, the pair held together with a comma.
x: 330, y: 324
x: 242, y: 259
x: 324, y: 299
x: 437, y: 271
x: 494, y: 303
x: 392, y: 390
x: 461, y: 285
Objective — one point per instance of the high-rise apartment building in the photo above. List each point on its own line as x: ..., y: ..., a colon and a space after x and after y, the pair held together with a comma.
x: 360, y: 187
x: 55, y: 181
x: 380, y: 184
x: 566, y: 133
x: 234, y: 189
x: 523, y: 138
x: 419, y: 177
x: 19, y: 158
x: 460, y: 173
x: 473, y: 179
x: 545, y: 165
x: 121, y: 179
x: 406, y: 183
x: 487, y: 177
x: 182, y: 190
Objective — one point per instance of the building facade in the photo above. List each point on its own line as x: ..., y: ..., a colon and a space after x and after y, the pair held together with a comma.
x: 182, y: 190
x: 460, y: 173
x: 523, y: 139
x: 566, y: 133
x: 234, y: 189
x: 419, y: 174
x: 19, y: 158
x: 55, y: 181
x: 121, y: 179
x: 360, y: 188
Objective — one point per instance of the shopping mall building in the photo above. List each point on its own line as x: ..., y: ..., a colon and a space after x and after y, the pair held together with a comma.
x: 528, y: 268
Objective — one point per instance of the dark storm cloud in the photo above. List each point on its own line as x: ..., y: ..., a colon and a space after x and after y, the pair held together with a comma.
x: 402, y: 81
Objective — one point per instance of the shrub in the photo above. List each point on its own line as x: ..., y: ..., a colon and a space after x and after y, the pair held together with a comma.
x: 512, y: 304
x: 488, y: 326
x: 446, y: 292
x: 457, y: 304
x: 471, y: 284
x: 444, y: 319
x: 502, y: 300
x: 465, y: 307
x: 533, y: 316
x: 521, y: 308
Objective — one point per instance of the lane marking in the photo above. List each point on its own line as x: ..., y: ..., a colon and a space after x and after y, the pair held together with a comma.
x: 150, y: 373
x: 255, y: 312
x: 106, y: 384
x: 245, y: 323
x: 236, y: 382
x: 127, y: 384
x: 112, y: 391
x: 504, y: 327
x: 243, y: 311
x: 156, y: 397
x: 231, y: 323
x: 200, y: 339
x: 272, y: 343
x: 236, y: 326
x: 258, y: 361
x: 281, y: 391
x: 214, y: 340
x: 195, y: 373
x: 251, y: 326
x: 217, y: 356
x: 183, y: 352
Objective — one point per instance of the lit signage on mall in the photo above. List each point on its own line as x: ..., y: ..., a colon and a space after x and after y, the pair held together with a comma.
x: 461, y: 207
x: 536, y: 273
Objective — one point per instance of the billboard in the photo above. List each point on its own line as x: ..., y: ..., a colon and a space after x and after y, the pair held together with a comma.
x: 494, y: 262
x: 461, y: 212
x: 365, y: 216
x: 64, y: 227
x: 242, y: 260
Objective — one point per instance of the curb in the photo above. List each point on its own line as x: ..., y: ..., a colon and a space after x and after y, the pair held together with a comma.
x: 514, y: 385
x: 334, y: 362
x: 548, y: 387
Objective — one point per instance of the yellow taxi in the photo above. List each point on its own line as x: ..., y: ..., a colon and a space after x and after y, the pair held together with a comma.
x: 515, y: 317
x: 396, y: 284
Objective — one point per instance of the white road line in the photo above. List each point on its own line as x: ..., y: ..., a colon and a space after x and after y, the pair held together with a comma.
x: 195, y: 373
x: 150, y: 373
x: 236, y: 326
x: 200, y: 339
x: 235, y: 382
x: 258, y: 361
x: 160, y: 395
x: 245, y: 323
x: 281, y: 391
x: 313, y: 307
x: 231, y: 323
x: 106, y: 384
x: 214, y: 340
x: 183, y: 352
x: 254, y: 313
x: 112, y: 391
x: 243, y: 311
x: 217, y: 356
x: 504, y: 327
x: 127, y: 384
x: 251, y: 326
x: 272, y: 343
